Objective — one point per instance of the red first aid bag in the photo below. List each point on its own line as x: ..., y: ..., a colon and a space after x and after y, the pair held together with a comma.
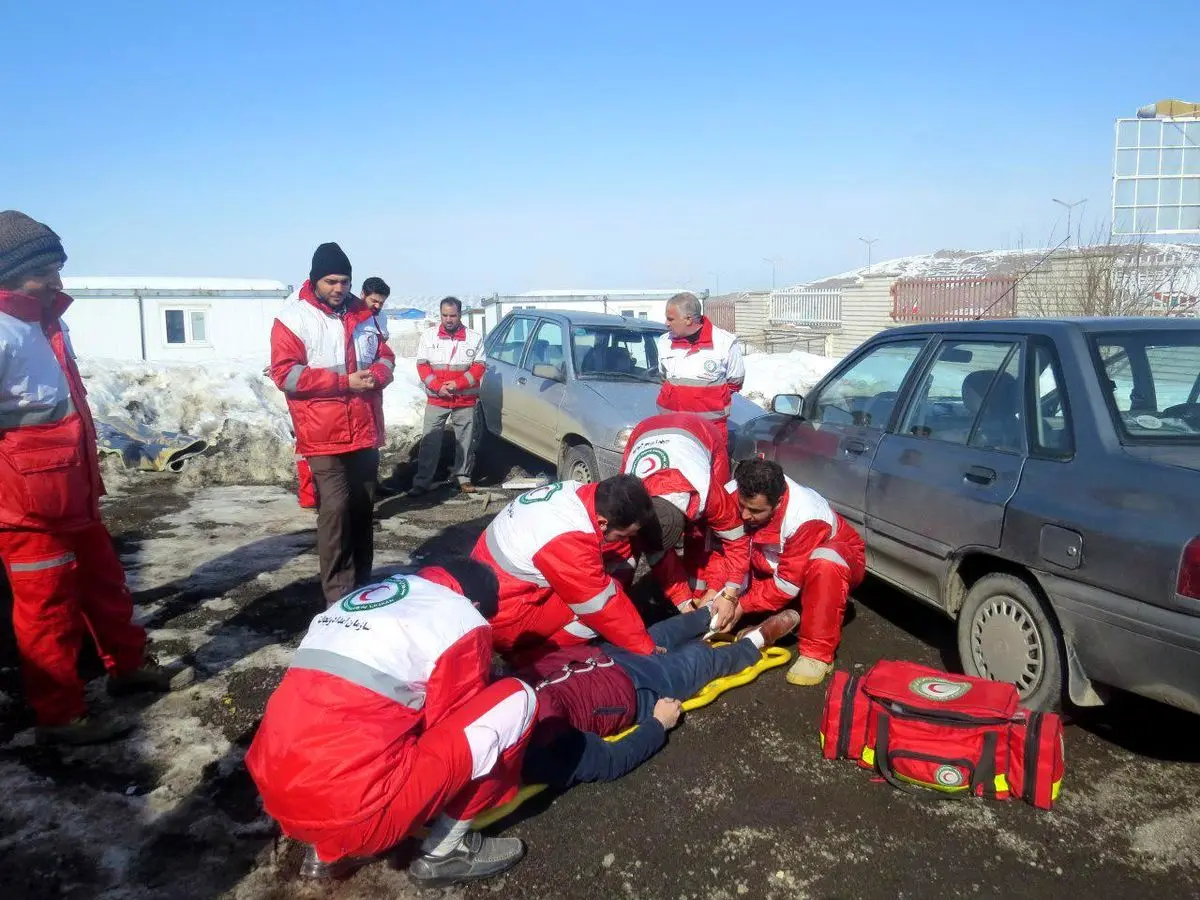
x: 925, y: 731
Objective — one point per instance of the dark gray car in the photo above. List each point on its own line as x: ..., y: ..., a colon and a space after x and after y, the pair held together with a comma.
x: 1035, y: 479
x: 569, y: 387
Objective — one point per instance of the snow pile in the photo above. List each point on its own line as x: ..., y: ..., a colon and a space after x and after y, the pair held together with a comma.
x: 768, y: 374
x: 233, y: 406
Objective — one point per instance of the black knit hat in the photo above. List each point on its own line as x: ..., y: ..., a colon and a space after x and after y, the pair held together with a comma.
x: 329, y: 259
x: 26, y: 246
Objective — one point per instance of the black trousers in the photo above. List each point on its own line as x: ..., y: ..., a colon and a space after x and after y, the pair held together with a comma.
x: 345, y: 519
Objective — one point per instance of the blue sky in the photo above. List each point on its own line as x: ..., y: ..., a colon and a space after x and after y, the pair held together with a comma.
x: 473, y: 147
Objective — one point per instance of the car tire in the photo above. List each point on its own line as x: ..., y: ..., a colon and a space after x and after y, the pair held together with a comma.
x: 579, y: 464
x: 1006, y: 634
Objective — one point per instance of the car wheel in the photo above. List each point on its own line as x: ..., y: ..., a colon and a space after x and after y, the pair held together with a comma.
x: 579, y: 464
x: 1005, y: 634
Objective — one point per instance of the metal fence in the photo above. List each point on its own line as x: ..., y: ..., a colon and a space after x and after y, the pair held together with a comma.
x: 722, y: 312
x: 818, y: 307
x: 954, y: 299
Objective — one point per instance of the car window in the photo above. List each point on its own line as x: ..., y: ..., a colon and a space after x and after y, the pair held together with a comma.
x: 615, y: 353
x: 511, y: 341
x: 1151, y: 380
x: 547, y: 346
x: 866, y: 393
x: 1052, y: 432
x: 970, y: 394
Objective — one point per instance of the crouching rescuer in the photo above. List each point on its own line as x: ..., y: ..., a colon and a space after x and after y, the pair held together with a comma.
x: 802, y: 552
x: 386, y: 721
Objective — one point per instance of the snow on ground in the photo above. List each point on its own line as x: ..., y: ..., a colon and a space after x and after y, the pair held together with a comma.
x: 768, y: 374
x: 232, y: 405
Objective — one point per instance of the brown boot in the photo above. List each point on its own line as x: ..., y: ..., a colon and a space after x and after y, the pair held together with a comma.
x: 466, y: 487
x: 95, y: 729
x: 776, y: 627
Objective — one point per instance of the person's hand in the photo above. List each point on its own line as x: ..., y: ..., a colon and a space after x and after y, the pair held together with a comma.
x: 668, y: 711
x: 727, y: 612
x: 659, y: 651
x: 707, y: 598
x: 450, y: 389
x: 446, y: 391
x: 362, y: 381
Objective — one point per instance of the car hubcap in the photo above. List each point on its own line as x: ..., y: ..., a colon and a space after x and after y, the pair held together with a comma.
x: 1006, y: 645
x: 580, y: 472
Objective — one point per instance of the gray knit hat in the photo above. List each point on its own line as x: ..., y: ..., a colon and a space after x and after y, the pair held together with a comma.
x: 26, y: 245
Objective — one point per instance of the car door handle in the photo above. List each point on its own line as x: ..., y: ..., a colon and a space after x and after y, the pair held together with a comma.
x: 858, y: 448
x: 521, y: 380
x: 980, y: 475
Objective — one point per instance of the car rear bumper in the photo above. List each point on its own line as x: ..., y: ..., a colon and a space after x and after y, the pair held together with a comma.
x: 1131, y: 645
x: 609, y: 462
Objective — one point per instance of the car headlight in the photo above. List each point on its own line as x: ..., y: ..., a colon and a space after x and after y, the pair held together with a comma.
x: 623, y: 437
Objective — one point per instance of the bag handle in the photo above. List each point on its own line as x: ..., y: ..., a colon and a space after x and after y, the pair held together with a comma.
x: 883, y: 762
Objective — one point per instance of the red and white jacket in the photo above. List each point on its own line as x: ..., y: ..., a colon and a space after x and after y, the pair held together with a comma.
x: 682, y: 458
x: 547, y: 543
x: 313, y: 352
x: 782, y: 550
x: 49, y: 465
x: 700, y: 376
x: 455, y: 359
x: 374, y: 672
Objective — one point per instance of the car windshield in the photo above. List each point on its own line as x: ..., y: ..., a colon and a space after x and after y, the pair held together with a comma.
x: 1152, y: 382
x: 603, y: 352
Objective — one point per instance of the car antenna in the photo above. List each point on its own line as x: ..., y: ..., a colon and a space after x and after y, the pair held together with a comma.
x: 1012, y: 287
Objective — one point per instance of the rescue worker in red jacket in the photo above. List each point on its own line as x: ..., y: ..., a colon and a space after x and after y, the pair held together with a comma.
x: 588, y: 693
x: 801, y: 552
x: 59, y: 558
x: 385, y: 720
x: 547, y: 549
x: 328, y: 355
x: 683, y: 461
x: 701, y: 364
x: 450, y: 366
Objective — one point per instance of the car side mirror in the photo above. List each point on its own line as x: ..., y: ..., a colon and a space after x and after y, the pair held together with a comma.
x: 788, y: 405
x: 550, y: 372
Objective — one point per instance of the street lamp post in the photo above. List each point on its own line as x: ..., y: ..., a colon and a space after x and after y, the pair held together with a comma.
x: 772, y: 260
x: 1070, y: 208
x: 716, y: 283
x: 868, y: 242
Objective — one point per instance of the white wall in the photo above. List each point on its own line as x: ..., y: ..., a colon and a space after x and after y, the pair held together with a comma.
x: 866, y: 311
x: 654, y: 310
x: 235, y: 327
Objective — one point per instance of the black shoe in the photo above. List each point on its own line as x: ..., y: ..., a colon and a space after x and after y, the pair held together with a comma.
x: 97, y: 729
x: 151, y: 678
x: 313, y: 868
x: 476, y: 858
x: 416, y: 491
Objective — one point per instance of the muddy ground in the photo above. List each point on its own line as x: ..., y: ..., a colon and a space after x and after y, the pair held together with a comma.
x: 740, y: 803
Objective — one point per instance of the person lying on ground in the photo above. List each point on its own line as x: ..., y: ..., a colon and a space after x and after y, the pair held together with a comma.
x: 385, y: 720
x: 802, y: 554
x: 546, y: 547
x: 683, y: 461
x: 587, y: 693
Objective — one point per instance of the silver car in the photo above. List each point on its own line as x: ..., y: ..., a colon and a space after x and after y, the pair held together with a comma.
x: 569, y: 387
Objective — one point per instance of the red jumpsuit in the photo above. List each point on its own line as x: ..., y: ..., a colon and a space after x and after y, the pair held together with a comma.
x: 385, y: 720
x: 682, y: 458
x: 546, y: 548
x: 808, y: 554
x: 64, y: 573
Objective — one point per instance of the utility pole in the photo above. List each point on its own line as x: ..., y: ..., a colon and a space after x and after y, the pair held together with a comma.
x: 868, y: 242
x: 1070, y: 208
x: 772, y: 260
x: 716, y: 283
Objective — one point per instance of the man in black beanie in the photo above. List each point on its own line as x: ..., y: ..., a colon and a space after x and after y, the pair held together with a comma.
x: 58, y: 555
x: 331, y: 359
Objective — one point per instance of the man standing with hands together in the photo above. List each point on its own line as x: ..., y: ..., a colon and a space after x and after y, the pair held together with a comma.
x: 330, y: 358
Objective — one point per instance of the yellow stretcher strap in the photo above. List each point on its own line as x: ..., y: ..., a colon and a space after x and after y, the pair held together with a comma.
x: 772, y: 658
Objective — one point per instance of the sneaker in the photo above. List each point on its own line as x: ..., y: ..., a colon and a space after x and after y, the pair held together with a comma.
x: 776, y: 627
x: 96, y: 729
x: 476, y: 858
x: 466, y: 487
x: 151, y: 678
x: 313, y: 868
x: 808, y: 671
